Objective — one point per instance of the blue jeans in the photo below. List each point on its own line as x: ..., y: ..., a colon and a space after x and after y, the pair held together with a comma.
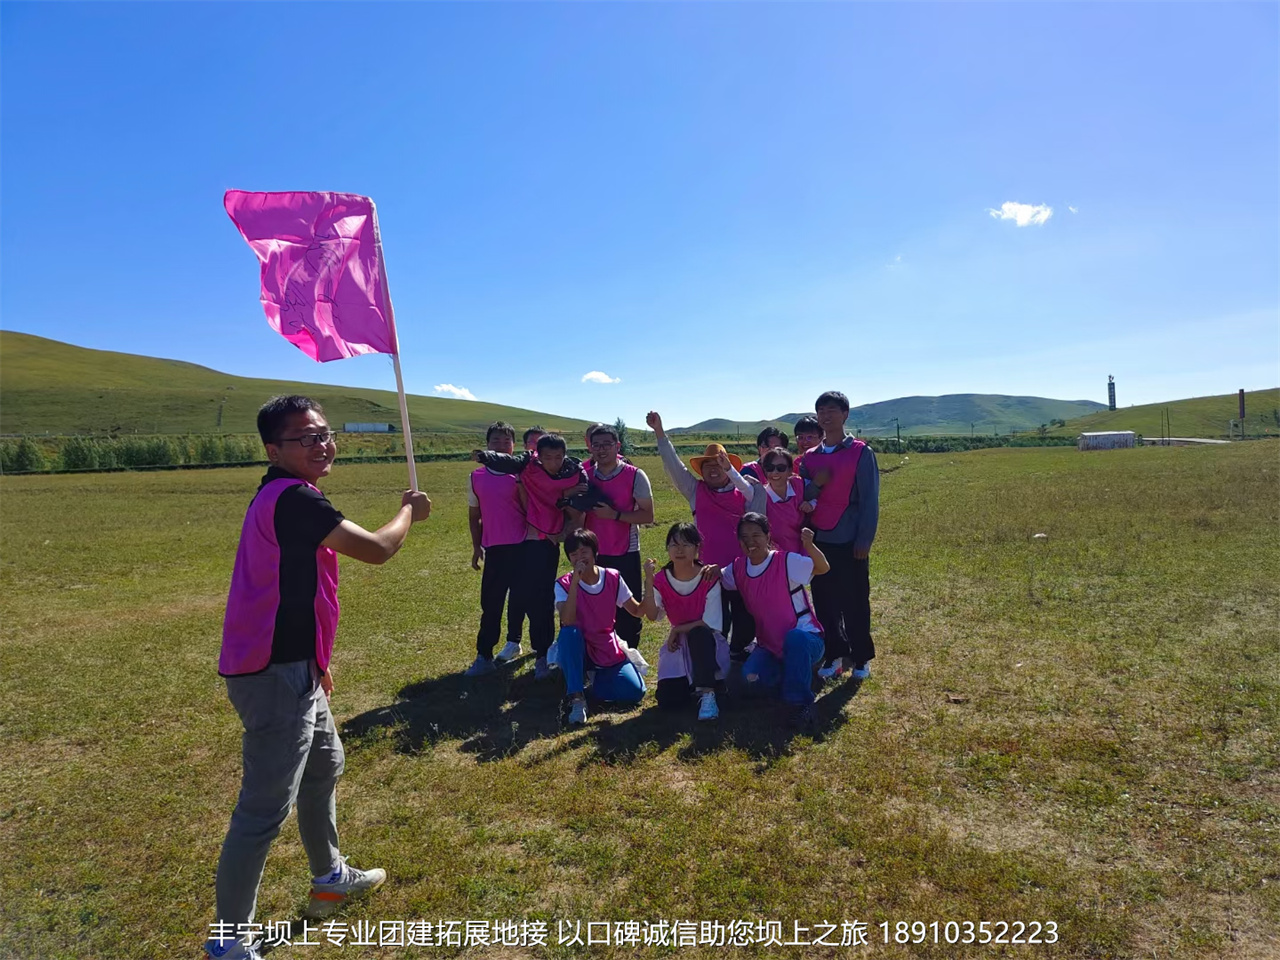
x: 801, y: 652
x: 620, y: 682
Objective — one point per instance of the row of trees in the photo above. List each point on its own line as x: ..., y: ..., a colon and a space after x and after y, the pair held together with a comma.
x: 107, y: 453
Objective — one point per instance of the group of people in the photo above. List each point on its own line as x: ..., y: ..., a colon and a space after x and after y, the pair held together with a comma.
x: 735, y: 588
x: 736, y: 584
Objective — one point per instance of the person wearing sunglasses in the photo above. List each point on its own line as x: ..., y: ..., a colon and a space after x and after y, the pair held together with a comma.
x: 768, y: 438
x: 277, y: 640
x: 786, y: 503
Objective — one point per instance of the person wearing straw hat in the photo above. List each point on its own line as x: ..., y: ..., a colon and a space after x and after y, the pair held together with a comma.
x: 718, y: 495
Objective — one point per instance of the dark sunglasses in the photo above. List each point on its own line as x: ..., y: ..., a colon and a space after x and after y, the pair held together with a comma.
x: 776, y: 468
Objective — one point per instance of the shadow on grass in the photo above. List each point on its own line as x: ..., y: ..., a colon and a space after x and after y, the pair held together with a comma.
x: 495, y: 717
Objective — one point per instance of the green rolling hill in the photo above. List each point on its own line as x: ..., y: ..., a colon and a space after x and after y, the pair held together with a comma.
x: 959, y: 413
x: 51, y: 387
x: 1195, y: 417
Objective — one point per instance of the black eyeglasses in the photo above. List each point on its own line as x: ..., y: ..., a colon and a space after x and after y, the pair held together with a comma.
x: 776, y: 468
x: 309, y: 439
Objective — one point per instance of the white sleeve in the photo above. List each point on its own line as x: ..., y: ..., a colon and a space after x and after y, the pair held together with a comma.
x: 744, y: 485
x: 562, y: 595
x: 657, y: 600
x: 624, y: 592
x: 799, y: 570
x: 726, y: 577
x: 472, y: 499
x: 713, y: 613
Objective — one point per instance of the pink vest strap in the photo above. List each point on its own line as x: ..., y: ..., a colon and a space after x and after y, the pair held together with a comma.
x: 596, y: 614
x: 501, y: 517
x: 682, y: 608
x: 248, y: 626
x: 716, y: 515
x: 619, y: 491
x: 768, y: 599
x: 544, y: 491
x: 785, y: 518
x: 842, y: 465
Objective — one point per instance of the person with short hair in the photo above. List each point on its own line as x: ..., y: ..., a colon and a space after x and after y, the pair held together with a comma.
x: 718, y: 495
x: 695, y: 657
x: 768, y: 438
x: 589, y: 599
x: 789, y: 641
x: 496, y: 519
x: 277, y: 641
x: 844, y: 471
x: 531, y: 438
x: 808, y: 436
x: 547, y: 477
x: 626, y: 502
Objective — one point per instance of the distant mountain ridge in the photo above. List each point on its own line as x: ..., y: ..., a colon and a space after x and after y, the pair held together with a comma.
x: 48, y: 386
x: 956, y: 413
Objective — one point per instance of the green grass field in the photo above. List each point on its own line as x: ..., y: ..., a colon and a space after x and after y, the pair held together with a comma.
x: 1195, y: 417
x: 1082, y: 728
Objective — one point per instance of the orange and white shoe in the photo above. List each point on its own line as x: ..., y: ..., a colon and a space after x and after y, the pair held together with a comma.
x: 344, y: 884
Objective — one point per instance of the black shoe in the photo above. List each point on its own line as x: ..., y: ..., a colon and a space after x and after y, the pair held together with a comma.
x: 803, y: 717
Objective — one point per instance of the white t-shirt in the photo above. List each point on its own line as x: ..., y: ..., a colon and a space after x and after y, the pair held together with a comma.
x: 799, y: 574
x: 712, y: 614
x: 624, y: 592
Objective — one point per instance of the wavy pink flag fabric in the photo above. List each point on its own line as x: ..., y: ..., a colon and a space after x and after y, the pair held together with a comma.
x: 323, y: 284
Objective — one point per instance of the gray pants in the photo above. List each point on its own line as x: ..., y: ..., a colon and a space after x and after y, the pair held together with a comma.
x: 292, y: 754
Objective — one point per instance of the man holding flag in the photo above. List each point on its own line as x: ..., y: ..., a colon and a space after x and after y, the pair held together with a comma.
x: 324, y: 290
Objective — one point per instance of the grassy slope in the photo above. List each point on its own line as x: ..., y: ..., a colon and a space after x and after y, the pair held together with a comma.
x: 949, y: 414
x: 1196, y: 417
x: 54, y: 387
x: 1083, y: 728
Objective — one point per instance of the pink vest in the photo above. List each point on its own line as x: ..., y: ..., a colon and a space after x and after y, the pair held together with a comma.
x: 833, y: 500
x: 501, y: 516
x: 544, y: 490
x: 596, y: 614
x: 250, y: 621
x: 785, y: 518
x: 680, y: 608
x: 768, y: 599
x: 717, y: 516
x: 619, y: 491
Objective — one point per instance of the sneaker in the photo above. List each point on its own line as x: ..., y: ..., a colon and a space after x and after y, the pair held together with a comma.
x: 708, y: 709
x: 803, y: 716
x: 578, y: 713
x: 832, y: 670
x: 479, y: 668
x: 231, y: 950
x: 541, y: 669
x: 862, y: 670
x: 345, y: 883
x: 509, y: 652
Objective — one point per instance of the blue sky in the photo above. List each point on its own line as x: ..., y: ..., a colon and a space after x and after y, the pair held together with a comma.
x: 725, y: 208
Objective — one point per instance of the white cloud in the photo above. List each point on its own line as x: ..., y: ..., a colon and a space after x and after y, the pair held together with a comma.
x: 1023, y: 214
x: 448, y: 389
x: 1073, y: 209
x: 595, y: 376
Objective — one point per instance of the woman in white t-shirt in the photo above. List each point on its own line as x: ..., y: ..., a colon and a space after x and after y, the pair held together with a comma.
x: 788, y: 635
x: 588, y: 599
x: 695, y: 656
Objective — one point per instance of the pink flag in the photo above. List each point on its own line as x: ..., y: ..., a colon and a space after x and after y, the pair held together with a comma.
x: 323, y: 285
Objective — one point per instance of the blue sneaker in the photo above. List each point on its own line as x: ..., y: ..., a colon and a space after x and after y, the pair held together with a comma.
x: 862, y: 670
x: 479, y: 668
x: 231, y: 950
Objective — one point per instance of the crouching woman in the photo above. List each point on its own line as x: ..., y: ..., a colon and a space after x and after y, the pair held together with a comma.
x: 696, y: 654
x: 588, y: 599
x: 788, y: 635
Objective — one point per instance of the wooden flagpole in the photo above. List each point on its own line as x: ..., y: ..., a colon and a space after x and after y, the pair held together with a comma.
x: 395, y: 357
